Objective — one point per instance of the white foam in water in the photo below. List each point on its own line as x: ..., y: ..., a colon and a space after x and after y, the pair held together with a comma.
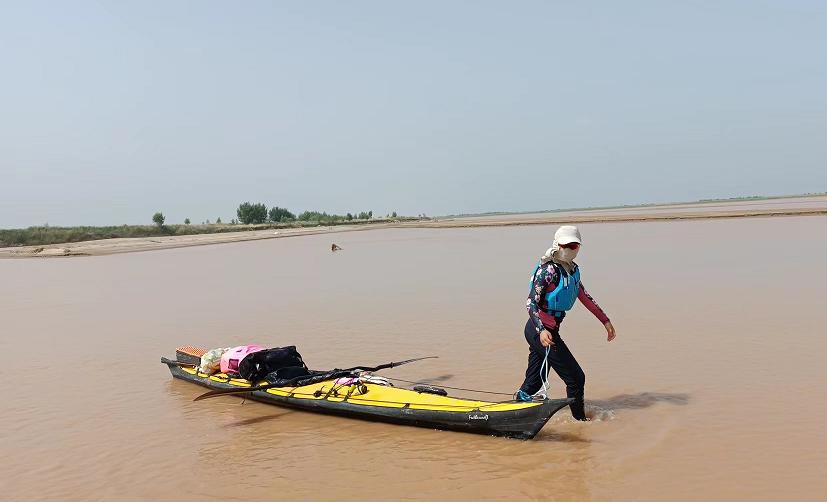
x: 598, y: 414
x: 594, y: 413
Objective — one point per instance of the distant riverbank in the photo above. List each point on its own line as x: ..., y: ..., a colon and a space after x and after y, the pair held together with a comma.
x: 42, y: 236
x: 135, y: 244
x: 219, y: 234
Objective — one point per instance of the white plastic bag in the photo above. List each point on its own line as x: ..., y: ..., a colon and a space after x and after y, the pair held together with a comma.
x: 211, y: 361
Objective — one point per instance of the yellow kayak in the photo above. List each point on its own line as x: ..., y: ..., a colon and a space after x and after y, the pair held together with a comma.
x: 371, y: 401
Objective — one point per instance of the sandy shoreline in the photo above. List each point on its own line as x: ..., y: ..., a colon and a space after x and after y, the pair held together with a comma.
x: 810, y: 206
x: 137, y: 244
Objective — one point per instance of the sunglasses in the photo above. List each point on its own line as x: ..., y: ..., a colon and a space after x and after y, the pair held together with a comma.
x: 570, y: 245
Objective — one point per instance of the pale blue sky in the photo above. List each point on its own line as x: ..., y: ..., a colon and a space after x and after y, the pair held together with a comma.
x: 113, y: 110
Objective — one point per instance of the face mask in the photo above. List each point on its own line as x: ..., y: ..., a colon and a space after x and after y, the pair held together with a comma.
x: 566, y: 255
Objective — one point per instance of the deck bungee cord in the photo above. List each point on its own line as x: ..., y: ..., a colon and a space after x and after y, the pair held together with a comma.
x: 332, y: 392
x: 224, y: 378
x: 229, y: 379
x: 337, y: 372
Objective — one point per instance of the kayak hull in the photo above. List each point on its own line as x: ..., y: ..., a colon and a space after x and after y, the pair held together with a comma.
x: 394, y: 405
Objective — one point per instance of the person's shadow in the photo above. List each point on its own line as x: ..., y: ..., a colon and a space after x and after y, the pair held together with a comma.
x: 638, y: 401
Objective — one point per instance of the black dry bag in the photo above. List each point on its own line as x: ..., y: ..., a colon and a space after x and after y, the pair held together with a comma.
x: 256, y: 366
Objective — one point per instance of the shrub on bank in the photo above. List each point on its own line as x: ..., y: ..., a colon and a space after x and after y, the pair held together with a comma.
x: 251, y: 213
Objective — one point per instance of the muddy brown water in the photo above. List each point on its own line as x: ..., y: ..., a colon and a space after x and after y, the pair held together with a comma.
x: 714, y: 387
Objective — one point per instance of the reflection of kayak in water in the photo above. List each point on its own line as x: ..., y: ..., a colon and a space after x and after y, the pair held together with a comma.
x: 360, y: 397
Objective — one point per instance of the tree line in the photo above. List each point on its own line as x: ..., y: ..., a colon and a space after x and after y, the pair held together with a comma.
x: 257, y: 213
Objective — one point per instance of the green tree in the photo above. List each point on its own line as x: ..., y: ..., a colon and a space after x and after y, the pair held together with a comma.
x: 370, y: 214
x: 252, y: 213
x: 158, y: 218
x: 186, y: 221
x: 320, y: 217
x: 393, y: 214
x: 218, y: 220
x: 349, y: 217
x: 279, y: 214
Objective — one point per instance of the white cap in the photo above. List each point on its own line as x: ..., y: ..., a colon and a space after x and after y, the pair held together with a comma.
x: 567, y: 234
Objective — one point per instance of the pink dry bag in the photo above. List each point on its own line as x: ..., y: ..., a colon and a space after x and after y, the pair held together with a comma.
x: 231, y: 358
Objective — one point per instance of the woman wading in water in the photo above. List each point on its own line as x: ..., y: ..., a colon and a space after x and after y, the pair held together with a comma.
x: 555, y: 286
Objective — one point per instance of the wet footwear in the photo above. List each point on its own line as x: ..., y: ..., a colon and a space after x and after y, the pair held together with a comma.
x: 521, y: 395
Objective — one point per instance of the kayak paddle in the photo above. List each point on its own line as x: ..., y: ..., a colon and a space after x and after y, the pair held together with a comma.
x: 244, y: 390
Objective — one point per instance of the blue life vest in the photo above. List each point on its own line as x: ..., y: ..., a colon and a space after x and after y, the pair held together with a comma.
x: 564, y: 295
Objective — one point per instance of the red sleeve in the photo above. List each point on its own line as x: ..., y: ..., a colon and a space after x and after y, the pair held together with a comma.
x: 587, y: 300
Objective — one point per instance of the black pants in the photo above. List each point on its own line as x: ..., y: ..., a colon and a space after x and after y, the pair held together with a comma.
x: 564, y: 364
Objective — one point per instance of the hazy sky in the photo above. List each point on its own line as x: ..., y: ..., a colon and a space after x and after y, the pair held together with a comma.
x: 110, y: 111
